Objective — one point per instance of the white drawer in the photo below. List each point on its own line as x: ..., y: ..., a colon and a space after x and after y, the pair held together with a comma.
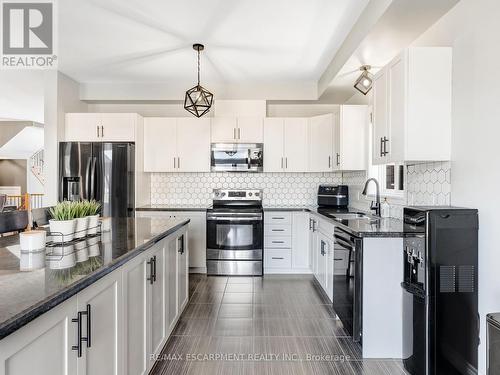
x: 272, y: 217
x: 277, y: 258
x: 277, y: 230
x: 278, y: 242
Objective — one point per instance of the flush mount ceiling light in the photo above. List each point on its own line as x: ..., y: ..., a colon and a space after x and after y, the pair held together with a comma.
x: 198, y: 100
x: 364, y: 83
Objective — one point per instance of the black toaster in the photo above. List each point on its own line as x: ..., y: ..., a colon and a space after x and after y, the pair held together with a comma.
x: 335, y: 196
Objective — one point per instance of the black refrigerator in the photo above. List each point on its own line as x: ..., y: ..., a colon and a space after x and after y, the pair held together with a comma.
x: 440, y: 296
x: 100, y: 171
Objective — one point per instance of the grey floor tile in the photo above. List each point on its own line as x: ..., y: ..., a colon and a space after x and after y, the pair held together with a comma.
x: 225, y: 345
x: 274, y: 327
x: 240, y: 280
x: 239, y: 288
x: 207, y: 297
x: 270, y: 311
x: 194, y: 327
x: 201, y: 311
x: 237, y: 298
x: 233, y: 327
x: 237, y: 310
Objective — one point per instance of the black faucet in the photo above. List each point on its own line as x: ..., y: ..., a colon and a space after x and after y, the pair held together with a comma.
x: 375, y: 206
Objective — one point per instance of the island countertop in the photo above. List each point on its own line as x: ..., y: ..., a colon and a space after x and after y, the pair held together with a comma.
x: 25, y: 295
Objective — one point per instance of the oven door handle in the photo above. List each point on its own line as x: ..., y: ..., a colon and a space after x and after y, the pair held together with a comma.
x: 232, y: 218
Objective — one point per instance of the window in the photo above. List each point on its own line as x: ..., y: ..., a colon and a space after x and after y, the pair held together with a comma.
x: 391, y: 177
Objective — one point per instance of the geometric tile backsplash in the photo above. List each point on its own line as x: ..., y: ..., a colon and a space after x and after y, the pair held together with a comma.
x: 426, y: 184
x: 280, y: 189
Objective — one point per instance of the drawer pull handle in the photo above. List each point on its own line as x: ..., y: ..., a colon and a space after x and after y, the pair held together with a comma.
x: 277, y: 230
x: 277, y: 257
x: 278, y: 241
x: 278, y: 218
x: 338, y: 258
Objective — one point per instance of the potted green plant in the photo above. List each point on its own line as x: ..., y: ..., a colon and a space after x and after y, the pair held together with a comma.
x: 62, y: 224
x: 93, y: 209
x: 82, y: 220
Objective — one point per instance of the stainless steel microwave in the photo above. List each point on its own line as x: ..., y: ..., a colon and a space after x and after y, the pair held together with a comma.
x: 237, y: 157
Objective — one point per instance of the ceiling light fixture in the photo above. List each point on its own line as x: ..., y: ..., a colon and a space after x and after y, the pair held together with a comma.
x: 364, y: 82
x: 198, y: 100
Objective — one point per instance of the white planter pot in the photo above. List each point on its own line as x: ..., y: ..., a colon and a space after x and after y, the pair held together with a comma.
x: 93, y: 224
x: 62, y: 230
x: 66, y: 261
x: 81, y: 251
x: 81, y: 227
x: 32, y: 240
x: 93, y: 246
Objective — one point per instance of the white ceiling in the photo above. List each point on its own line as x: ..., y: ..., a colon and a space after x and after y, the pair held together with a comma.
x: 399, y: 26
x: 247, y: 42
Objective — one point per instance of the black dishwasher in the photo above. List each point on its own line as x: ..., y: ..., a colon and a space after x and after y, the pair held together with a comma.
x: 347, y: 289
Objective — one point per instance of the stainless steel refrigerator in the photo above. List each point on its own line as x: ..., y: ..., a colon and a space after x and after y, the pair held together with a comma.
x: 100, y: 171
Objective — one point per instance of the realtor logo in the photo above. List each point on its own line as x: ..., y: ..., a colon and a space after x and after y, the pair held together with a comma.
x: 28, y: 35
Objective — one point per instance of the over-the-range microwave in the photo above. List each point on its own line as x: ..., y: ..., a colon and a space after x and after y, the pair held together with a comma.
x: 237, y: 157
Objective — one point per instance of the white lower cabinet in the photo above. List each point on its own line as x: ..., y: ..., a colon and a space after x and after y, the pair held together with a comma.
x: 323, y: 249
x: 125, y: 319
x: 286, y: 242
x: 43, y: 346
x: 101, y: 321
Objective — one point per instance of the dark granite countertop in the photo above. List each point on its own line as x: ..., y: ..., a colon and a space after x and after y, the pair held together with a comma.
x: 25, y: 295
x: 168, y: 207
x: 386, y: 227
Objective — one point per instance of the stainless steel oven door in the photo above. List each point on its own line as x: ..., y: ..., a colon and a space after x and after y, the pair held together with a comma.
x: 234, y: 232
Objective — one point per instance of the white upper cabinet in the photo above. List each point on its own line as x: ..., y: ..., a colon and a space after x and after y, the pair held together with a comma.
x: 337, y: 140
x: 273, y: 145
x: 351, y: 138
x: 412, y: 107
x: 286, y: 145
x: 250, y: 129
x: 245, y: 129
x: 321, y: 143
x: 176, y: 144
x: 193, y: 144
x: 224, y: 129
x: 160, y: 144
x: 101, y: 127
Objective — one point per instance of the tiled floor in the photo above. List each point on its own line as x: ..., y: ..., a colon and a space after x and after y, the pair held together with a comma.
x: 271, y: 325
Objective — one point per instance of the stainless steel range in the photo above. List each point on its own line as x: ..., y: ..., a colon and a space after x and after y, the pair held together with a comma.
x: 235, y: 233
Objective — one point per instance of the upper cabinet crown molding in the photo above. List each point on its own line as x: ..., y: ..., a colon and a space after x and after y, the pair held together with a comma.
x: 412, y: 107
x: 101, y: 127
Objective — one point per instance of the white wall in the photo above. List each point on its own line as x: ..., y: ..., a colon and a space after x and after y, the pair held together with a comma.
x: 22, y: 95
x: 472, y: 28
x: 61, y: 96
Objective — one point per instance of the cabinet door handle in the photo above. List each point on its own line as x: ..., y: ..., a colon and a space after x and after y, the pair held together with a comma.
x: 97, y: 127
x: 151, y: 278
x: 174, y: 163
x: 277, y: 257
x: 234, y: 133
x: 181, y: 244
x: 338, y: 159
x: 102, y: 131
x: 88, y: 339
x: 385, y: 146
x: 381, y: 146
x: 286, y: 162
x: 239, y: 133
x: 78, y: 346
x: 178, y: 162
x: 329, y: 161
x: 310, y: 224
x: 282, y: 162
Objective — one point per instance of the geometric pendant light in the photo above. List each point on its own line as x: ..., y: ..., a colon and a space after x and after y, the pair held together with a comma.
x: 364, y: 82
x: 198, y: 100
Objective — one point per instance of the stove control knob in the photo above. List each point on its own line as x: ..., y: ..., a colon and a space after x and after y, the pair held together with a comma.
x: 249, y: 194
x: 223, y: 194
x: 257, y: 194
